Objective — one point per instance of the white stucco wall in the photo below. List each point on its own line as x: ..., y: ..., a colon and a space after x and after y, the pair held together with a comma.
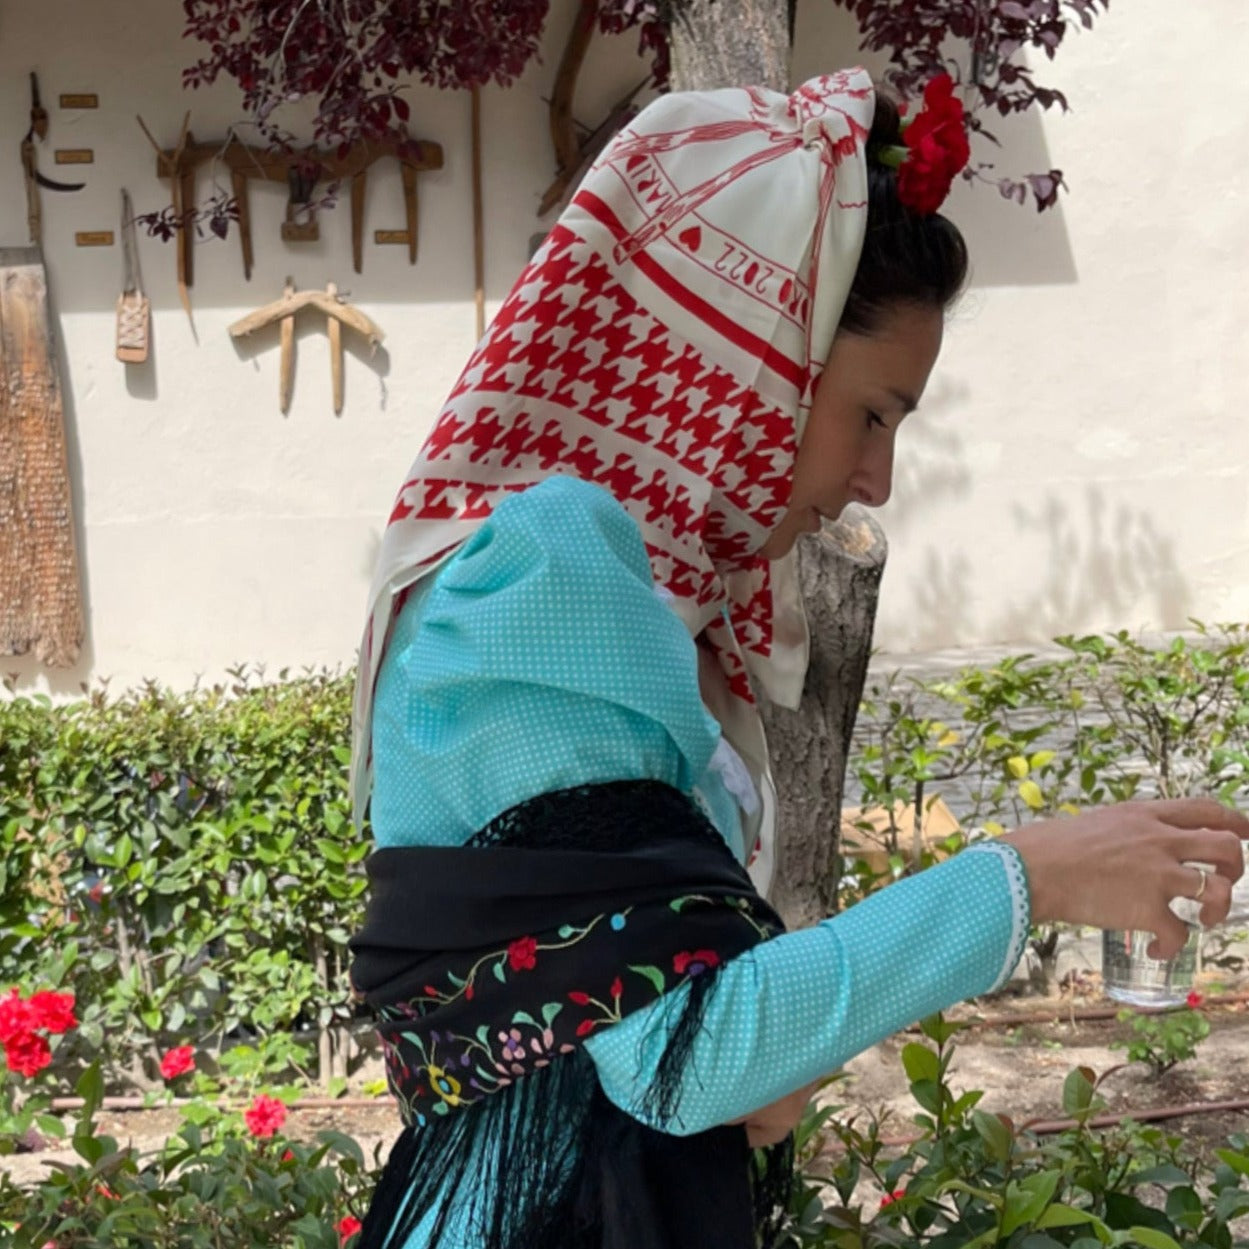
x: 1081, y: 461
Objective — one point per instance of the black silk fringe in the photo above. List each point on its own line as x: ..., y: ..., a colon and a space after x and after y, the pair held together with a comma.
x: 551, y: 1163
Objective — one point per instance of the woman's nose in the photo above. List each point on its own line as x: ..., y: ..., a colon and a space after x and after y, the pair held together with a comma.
x: 872, y: 483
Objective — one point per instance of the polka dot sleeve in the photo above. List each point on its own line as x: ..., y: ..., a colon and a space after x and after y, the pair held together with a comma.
x: 797, y: 1007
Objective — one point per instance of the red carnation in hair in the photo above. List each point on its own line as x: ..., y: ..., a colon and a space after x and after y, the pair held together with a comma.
x: 937, y: 148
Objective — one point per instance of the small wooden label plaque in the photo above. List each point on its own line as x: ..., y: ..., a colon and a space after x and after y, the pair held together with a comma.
x: 75, y: 156
x: 80, y: 101
x: 390, y: 236
x: 94, y: 238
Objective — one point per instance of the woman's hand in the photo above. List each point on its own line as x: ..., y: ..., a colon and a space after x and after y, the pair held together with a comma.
x: 770, y: 1125
x: 1119, y: 866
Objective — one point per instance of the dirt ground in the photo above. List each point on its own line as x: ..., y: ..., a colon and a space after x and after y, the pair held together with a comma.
x: 1021, y: 1067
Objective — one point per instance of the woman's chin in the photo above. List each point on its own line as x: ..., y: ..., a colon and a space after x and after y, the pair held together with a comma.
x: 781, y: 540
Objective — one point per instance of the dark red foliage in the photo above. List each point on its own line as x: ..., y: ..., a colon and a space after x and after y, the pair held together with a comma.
x: 351, y: 55
x: 212, y: 216
x: 986, y: 38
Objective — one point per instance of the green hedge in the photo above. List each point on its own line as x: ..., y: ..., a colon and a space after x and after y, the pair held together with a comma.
x: 185, y: 863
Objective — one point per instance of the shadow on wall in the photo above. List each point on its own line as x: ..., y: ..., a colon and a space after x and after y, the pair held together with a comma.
x: 1010, y: 244
x: 931, y: 463
x: 1097, y: 568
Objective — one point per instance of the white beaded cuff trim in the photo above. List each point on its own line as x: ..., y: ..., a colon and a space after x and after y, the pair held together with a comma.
x: 1020, y: 900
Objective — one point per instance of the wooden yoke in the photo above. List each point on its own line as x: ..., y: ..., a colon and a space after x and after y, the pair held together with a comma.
x: 338, y: 313
x: 575, y: 154
x: 414, y: 156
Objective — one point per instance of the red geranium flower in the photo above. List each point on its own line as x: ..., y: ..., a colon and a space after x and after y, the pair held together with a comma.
x: 1194, y: 999
x: 53, y: 1012
x: 348, y: 1226
x: 15, y: 1016
x: 177, y: 1062
x: 264, y: 1116
x: 27, y: 1053
x: 889, y: 1198
x: 937, y: 148
x: 521, y: 954
x: 694, y: 961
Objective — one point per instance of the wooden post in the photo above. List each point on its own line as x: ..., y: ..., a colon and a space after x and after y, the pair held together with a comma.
x: 286, y: 367
x: 335, y: 330
x: 479, y: 240
x: 40, y: 587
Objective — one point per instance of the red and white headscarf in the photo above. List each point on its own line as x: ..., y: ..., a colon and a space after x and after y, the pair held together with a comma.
x: 664, y: 342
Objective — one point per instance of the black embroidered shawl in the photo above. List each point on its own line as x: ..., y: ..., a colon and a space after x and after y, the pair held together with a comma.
x: 489, y: 964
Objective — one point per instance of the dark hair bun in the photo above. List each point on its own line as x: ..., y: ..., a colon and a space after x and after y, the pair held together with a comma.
x: 886, y: 124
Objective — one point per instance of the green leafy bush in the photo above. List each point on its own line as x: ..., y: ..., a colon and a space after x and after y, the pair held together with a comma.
x: 1105, y: 719
x: 224, y: 1178
x: 970, y: 1178
x: 185, y: 864
x: 966, y: 1179
x: 1162, y: 1040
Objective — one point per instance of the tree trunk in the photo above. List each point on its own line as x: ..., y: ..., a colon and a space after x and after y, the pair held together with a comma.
x: 719, y: 43
x: 731, y: 43
x: 841, y: 568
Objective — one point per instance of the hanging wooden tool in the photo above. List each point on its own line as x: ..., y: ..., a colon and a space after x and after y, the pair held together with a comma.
x: 337, y: 312
x: 573, y: 154
x: 30, y: 165
x: 182, y: 197
x: 301, y: 225
x: 40, y: 593
x: 134, y: 311
x: 299, y: 172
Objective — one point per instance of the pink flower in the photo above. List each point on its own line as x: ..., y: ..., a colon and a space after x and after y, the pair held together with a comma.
x: 27, y: 1053
x: 264, y: 1116
x: 53, y: 1012
x: 1194, y: 999
x: 347, y: 1227
x: 521, y: 954
x: 177, y: 1062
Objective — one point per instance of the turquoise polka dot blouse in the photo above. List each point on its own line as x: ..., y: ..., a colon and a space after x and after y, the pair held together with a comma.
x: 540, y: 657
